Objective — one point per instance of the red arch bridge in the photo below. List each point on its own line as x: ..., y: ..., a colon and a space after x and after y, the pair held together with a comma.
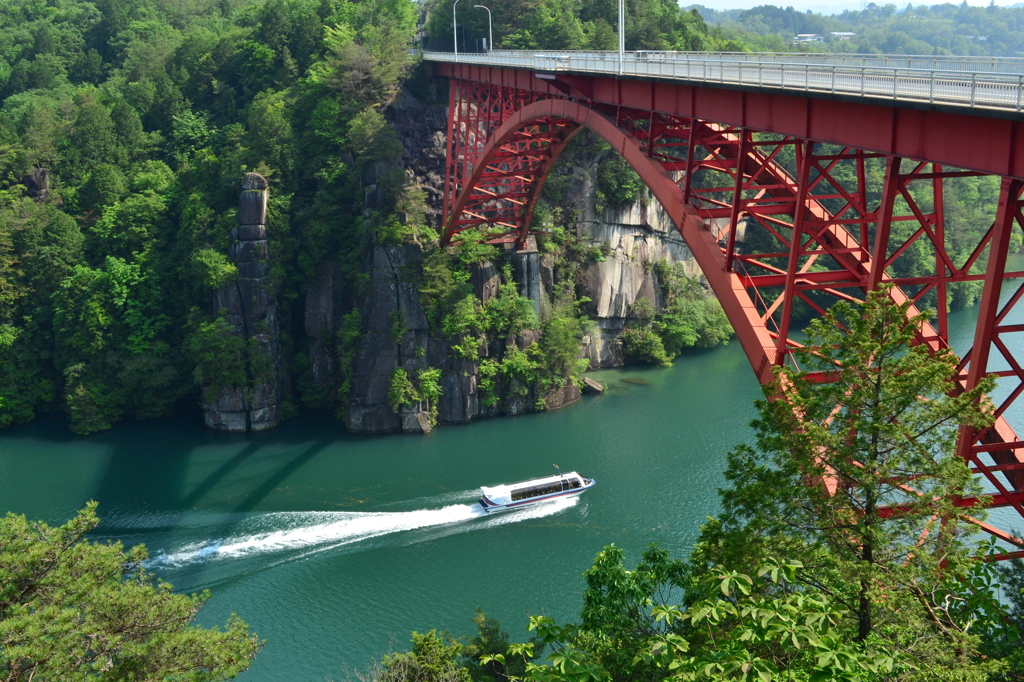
x: 827, y: 156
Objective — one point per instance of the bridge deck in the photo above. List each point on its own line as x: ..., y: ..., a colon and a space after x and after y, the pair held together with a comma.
x: 990, y: 84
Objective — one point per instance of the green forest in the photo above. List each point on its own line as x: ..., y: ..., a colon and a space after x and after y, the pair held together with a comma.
x: 947, y: 29
x: 125, y: 129
x: 146, y: 115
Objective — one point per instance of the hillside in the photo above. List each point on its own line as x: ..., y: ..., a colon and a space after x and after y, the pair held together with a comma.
x: 881, y: 29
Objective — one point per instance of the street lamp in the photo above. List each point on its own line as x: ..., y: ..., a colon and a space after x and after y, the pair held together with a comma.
x: 455, y: 31
x: 490, y: 31
x: 622, y: 34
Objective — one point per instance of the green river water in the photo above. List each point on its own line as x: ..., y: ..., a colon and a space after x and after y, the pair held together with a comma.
x: 333, y: 547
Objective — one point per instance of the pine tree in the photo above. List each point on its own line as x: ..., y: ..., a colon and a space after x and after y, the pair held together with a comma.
x: 71, y: 609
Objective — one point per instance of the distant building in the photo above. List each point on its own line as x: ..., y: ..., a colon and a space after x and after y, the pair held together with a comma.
x: 808, y: 38
x: 842, y: 35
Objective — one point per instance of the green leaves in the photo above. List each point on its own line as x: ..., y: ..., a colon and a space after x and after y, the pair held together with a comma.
x: 731, y: 581
x: 777, y: 570
x: 74, y: 610
x: 690, y: 317
x: 434, y: 657
x: 215, y: 270
x: 401, y: 391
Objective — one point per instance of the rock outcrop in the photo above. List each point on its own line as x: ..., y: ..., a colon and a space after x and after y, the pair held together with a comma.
x: 396, y: 335
x: 37, y: 183
x: 252, y: 314
x: 631, y: 239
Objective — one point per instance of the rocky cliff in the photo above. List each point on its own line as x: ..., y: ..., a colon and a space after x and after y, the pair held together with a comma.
x: 252, y: 314
x: 395, y: 334
x: 631, y: 239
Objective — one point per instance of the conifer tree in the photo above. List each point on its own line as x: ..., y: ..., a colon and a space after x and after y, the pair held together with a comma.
x: 71, y: 609
x: 853, y: 471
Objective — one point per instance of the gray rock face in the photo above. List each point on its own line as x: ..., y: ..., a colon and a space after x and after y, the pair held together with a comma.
x: 252, y: 314
x: 486, y: 280
x: 393, y: 306
x: 526, y: 269
x: 325, y: 301
x: 395, y: 334
x: 602, y: 345
x: 633, y: 237
x: 422, y: 131
x: 415, y: 418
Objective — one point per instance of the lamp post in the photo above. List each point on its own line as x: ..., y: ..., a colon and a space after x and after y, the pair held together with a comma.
x: 622, y: 34
x: 490, y: 30
x: 455, y: 31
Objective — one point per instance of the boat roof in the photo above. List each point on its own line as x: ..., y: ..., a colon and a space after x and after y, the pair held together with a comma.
x: 499, y: 489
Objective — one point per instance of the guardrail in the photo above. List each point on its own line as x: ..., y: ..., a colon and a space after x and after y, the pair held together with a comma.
x: 999, y: 90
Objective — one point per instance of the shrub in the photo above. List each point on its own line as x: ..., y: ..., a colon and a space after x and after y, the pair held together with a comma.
x: 401, y: 391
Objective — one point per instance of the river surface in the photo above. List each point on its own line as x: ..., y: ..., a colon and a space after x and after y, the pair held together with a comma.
x: 333, y: 547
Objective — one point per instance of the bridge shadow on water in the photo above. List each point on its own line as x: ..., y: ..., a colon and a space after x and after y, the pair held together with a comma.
x: 149, y: 462
x: 152, y: 474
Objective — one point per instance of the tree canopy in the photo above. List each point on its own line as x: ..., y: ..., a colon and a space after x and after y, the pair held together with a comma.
x: 946, y: 29
x: 71, y: 609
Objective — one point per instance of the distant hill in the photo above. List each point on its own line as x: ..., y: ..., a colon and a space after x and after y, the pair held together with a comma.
x: 886, y: 29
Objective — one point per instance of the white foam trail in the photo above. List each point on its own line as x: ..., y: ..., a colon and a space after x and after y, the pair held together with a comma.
x: 332, y: 529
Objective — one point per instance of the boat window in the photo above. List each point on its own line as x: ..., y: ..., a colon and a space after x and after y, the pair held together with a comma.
x: 574, y: 483
x: 536, y: 491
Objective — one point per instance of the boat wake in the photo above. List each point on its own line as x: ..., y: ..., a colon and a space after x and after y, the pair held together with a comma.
x: 280, y: 532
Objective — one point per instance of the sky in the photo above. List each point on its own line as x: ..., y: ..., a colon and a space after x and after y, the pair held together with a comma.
x: 836, y: 7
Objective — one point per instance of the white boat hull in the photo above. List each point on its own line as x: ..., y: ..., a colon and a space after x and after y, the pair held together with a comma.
x: 491, y: 507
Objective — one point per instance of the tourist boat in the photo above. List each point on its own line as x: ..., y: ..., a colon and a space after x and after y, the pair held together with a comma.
x: 502, y: 497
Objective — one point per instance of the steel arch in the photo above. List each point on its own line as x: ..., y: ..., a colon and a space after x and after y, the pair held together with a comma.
x: 702, y: 242
x: 831, y: 239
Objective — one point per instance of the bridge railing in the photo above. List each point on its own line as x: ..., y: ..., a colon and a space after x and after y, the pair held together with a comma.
x: 918, y: 79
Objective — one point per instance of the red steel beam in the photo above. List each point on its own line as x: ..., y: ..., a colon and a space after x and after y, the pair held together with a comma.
x: 970, y: 141
x: 504, y: 141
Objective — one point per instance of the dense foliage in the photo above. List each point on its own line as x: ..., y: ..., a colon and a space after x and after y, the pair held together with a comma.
x: 145, y: 115
x: 691, y: 318
x: 957, y: 29
x: 71, y: 609
x: 439, y: 657
x: 568, y: 25
x: 525, y: 352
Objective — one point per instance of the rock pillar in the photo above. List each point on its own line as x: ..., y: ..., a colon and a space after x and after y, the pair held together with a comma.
x: 252, y: 313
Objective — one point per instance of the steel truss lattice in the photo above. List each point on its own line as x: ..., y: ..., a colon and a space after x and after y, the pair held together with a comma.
x: 779, y: 224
